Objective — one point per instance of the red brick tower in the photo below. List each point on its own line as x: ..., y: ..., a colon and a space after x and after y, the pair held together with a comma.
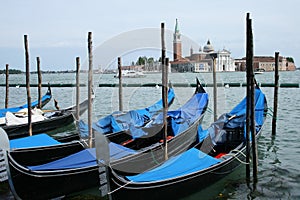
x: 177, y: 55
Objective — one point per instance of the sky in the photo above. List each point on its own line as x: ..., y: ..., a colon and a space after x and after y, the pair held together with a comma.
x: 57, y: 30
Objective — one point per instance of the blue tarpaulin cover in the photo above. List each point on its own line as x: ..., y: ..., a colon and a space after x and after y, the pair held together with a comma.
x: 182, y: 118
x: 33, y: 141
x: 202, y: 134
x: 240, y: 111
x: 178, y: 120
x: 84, y: 158
x: 239, y: 120
x: 188, y: 162
x: 195, y: 160
x: 119, y: 121
x: 16, y: 109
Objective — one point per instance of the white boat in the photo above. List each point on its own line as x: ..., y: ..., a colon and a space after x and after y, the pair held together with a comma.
x: 259, y: 71
x: 131, y: 74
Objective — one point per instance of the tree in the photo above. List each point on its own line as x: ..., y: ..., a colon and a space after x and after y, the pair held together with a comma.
x: 144, y: 60
x: 290, y: 59
x: 150, y: 60
x: 11, y: 71
x: 141, y: 60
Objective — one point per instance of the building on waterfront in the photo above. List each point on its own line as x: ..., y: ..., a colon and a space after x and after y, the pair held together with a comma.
x: 201, y: 61
x: 266, y: 63
x: 148, y: 67
x: 154, y: 66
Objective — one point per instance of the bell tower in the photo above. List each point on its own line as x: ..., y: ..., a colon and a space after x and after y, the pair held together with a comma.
x: 177, y: 43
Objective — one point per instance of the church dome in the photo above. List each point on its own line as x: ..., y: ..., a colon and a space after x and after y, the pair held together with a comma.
x: 208, y: 47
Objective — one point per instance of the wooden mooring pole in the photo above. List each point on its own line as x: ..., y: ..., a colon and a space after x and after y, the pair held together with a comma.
x: 77, y: 88
x: 6, y: 85
x: 90, y: 85
x: 164, y: 88
x: 274, y: 119
x: 39, y: 82
x: 165, y: 105
x: 249, y: 47
x: 215, y: 89
x: 252, y: 113
x: 120, y: 84
x: 250, y: 121
x: 28, y: 84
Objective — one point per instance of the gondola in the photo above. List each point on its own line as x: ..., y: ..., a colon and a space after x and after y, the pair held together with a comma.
x: 44, y: 100
x: 58, y: 119
x: 220, y: 151
x: 79, y: 171
x: 52, y: 121
x: 46, y: 149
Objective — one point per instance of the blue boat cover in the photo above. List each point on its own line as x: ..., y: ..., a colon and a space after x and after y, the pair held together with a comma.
x: 84, y: 158
x: 188, y: 162
x: 33, y: 141
x: 195, y: 160
x: 178, y: 120
x: 240, y: 111
x: 182, y: 118
x: 16, y: 109
x: 216, y: 130
x: 202, y: 134
x: 119, y: 121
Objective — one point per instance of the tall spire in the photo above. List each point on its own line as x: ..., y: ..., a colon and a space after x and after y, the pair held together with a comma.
x: 176, y: 32
x: 191, y: 50
x: 176, y: 26
x: 177, y: 43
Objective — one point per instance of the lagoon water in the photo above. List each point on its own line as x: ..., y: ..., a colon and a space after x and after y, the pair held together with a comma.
x: 278, y: 156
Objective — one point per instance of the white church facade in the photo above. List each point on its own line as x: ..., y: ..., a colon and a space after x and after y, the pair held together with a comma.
x: 201, y: 61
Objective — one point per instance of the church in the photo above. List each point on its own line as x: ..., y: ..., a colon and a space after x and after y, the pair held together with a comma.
x: 201, y: 61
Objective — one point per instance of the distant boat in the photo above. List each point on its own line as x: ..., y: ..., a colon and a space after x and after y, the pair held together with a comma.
x: 130, y: 74
x: 259, y: 71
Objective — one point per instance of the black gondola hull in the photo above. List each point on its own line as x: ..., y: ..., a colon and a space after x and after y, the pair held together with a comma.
x: 41, y: 155
x: 175, y: 188
x: 27, y: 183
x: 49, y: 185
x: 154, y: 155
x: 178, y: 187
x: 60, y: 119
x: 18, y: 131
x: 53, y: 184
x: 231, y: 148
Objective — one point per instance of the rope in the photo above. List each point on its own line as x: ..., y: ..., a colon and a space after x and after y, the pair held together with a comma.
x: 234, y: 155
x: 272, y: 116
x: 153, y: 157
x: 132, y: 181
x: 74, y: 117
x: 115, y: 190
x: 230, y: 154
x: 209, y: 110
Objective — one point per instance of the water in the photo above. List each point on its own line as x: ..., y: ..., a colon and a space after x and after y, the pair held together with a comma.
x: 278, y: 156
